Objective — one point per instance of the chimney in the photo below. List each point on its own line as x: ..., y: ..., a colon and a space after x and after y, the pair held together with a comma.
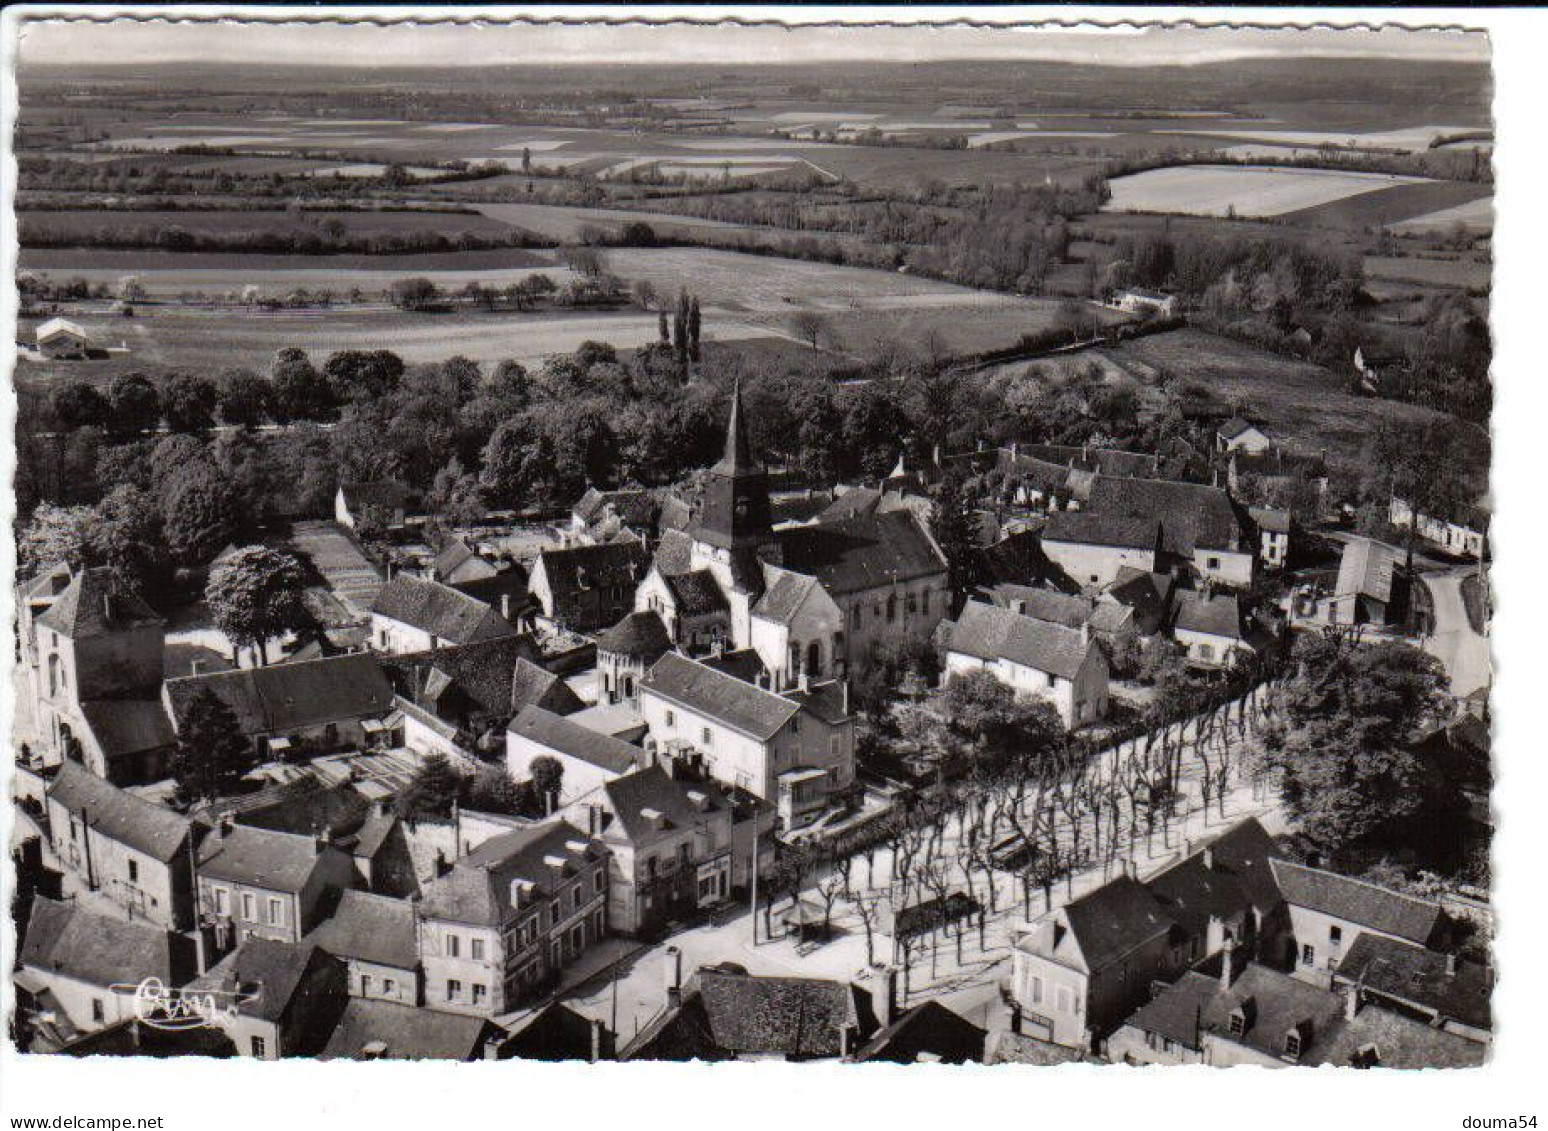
x: 591, y: 820
x: 674, y: 977
x: 596, y: 1040
x: 1227, y: 953
x: 505, y: 606
x: 1351, y: 1001
x: 890, y: 1012
x: 492, y: 1047
x: 1208, y: 856
x: 227, y: 819
x: 1451, y: 965
x: 844, y: 692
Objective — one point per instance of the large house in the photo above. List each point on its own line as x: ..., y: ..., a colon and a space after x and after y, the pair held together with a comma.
x: 265, y: 884
x: 793, y: 748
x: 588, y: 588
x: 1038, y: 659
x: 135, y: 852
x: 1241, y: 435
x: 588, y: 758
x: 505, y: 919
x: 280, y: 999
x: 414, y: 614
x: 374, y: 936
x: 1208, y: 627
x: 1153, y: 525
x: 62, y: 338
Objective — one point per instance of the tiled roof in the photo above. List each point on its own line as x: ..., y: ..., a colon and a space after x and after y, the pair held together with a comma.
x: 929, y: 1029
x: 851, y: 504
x: 66, y: 939
x: 1215, y: 614
x: 89, y: 607
x: 291, y: 696
x: 1177, y: 1012
x: 378, y: 493
x: 404, y: 1032
x: 1064, y: 609
x: 262, y: 858
x: 1088, y: 528
x: 1452, y: 987
x: 674, y: 553
x: 1356, y: 901
x: 1237, y: 879
x: 556, y: 732
x: 862, y: 553
x: 676, y: 806
x: 803, y: 1017
x: 269, y: 975
x: 1191, y: 515
x: 696, y: 593
x: 1114, y: 919
x: 487, y: 672
x: 783, y: 597
x: 130, y: 820
x: 1366, y: 568
x: 1275, y: 1004
x: 639, y: 635
x: 478, y: 888
x: 371, y: 928
x: 439, y: 609
x: 534, y: 686
x: 454, y: 554
x: 719, y: 696
x: 570, y: 571
x: 1104, y: 461
x: 1271, y: 520
x: 991, y: 633
x: 1398, y: 1042
x: 128, y: 726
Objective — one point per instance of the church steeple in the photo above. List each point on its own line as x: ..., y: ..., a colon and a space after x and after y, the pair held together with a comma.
x: 735, y: 511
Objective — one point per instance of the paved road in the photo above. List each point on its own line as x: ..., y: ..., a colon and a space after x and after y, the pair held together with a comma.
x: 1464, y: 652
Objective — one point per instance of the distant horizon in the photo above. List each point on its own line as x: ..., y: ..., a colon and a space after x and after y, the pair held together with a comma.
x: 313, y: 41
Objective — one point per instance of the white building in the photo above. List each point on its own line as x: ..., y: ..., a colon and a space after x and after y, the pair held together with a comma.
x: 1037, y: 659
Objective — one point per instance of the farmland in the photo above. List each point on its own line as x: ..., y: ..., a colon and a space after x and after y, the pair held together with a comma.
x: 1252, y: 191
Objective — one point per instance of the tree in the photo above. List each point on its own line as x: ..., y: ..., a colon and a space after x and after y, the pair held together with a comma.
x: 189, y: 403
x: 645, y: 295
x: 693, y: 328
x: 1344, y: 745
x: 547, y: 775
x: 432, y: 791
x: 491, y: 789
x: 255, y: 595
x: 585, y: 261
x: 243, y: 398
x: 455, y: 495
x: 200, y: 514
x: 212, y: 754
x: 954, y: 523
x: 135, y: 403
x: 358, y: 375
x: 56, y: 534
x: 80, y: 405
x: 413, y: 294
x: 127, y: 539
x: 299, y: 391
x: 809, y: 326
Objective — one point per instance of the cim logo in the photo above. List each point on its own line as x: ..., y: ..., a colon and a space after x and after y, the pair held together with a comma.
x: 163, y: 1007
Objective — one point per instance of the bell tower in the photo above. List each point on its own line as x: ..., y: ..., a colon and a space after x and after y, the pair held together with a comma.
x: 735, y: 520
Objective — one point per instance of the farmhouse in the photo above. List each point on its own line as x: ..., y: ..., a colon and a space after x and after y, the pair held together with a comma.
x: 1208, y: 626
x: 412, y: 614
x: 1134, y: 300
x: 59, y: 338
x: 1465, y: 535
x: 1241, y: 435
x: 1038, y: 659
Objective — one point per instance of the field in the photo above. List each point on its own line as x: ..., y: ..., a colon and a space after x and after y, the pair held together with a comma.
x: 1470, y: 274
x: 1407, y: 207
x: 84, y: 222
x: 1253, y: 191
x: 1474, y: 215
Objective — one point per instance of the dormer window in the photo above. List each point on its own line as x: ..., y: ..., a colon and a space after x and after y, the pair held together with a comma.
x: 1293, y: 1044
x: 1238, y: 1023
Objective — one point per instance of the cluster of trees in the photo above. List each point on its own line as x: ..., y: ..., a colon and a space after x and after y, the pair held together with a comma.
x: 438, y: 785
x: 331, y: 239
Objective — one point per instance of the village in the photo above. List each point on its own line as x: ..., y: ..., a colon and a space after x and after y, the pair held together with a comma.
x: 728, y: 842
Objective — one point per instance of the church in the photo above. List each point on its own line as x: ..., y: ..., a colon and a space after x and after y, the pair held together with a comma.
x: 816, y: 601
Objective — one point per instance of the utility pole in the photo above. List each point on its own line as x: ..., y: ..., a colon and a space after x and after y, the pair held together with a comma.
x: 755, y: 880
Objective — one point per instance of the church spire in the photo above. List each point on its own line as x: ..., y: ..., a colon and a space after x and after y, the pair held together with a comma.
x: 738, y: 458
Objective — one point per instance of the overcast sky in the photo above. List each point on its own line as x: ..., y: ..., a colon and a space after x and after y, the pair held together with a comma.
x: 447, y: 44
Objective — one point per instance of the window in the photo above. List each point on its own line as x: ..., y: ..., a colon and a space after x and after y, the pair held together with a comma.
x: 707, y: 736
x: 854, y: 616
x: 1206, y: 651
x: 795, y: 724
x: 453, y: 945
x: 671, y: 719
x: 1053, y: 680
x: 1238, y: 1023
x: 222, y: 901
x: 924, y: 602
x: 453, y: 989
x: 912, y: 604
x: 1293, y: 1044
x: 476, y: 950
x: 599, y: 879
x: 365, y: 985
x: 1037, y: 990
x: 98, y: 1014
x: 1335, y: 933
x: 75, y: 829
x: 479, y: 991
x: 1093, y: 579
x: 576, y: 897
x: 1066, y: 1004
x: 892, y: 607
x: 1213, y: 563
x: 276, y: 912
x: 389, y: 987
x: 1167, y: 1044
x: 248, y: 911
x: 134, y: 871
x: 1308, y: 955
x: 259, y: 1047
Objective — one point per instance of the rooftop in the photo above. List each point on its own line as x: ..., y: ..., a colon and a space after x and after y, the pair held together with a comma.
x: 291, y: 696
x: 371, y: 928
x: 121, y: 816
x: 717, y: 695
x: 862, y: 553
x: 483, y: 887
x: 989, y: 632
x: 639, y: 635
x: 443, y: 612
x: 556, y: 732
x: 66, y: 939
x: 1450, y: 987
x: 263, y: 858
x: 90, y: 606
x: 1357, y: 901
x: 372, y: 1030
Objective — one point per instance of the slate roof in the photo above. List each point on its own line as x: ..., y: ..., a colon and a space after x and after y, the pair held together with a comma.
x: 1216, y: 614
x: 674, y: 802
x: 719, y: 696
x: 783, y: 598
x: 490, y: 673
x: 575, y: 568
x: 674, y: 553
x: 1192, y: 515
x: 992, y: 633
x: 66, y: 939
x: 639, y: 635
x: 1114, y: 919
x: 453, y: 555
x: 851, y: 504
x: 1064, y: 609
x: 1104, y: 461
x: 269, y: 974
x: 1177, y: 1011
x: 1019, y: 559
x: 439, y: 609
x: 1271, y: 520
x: 262, y: 858
x: 696, y: 593
x: 930, y: 1029
x: 128, y: 726
x: 555, y: 1032
x: 1417, y: 976
x: 88, y: 607
x: 404, y: 1032
x: 862, y: 553
x: 575, y: 741
x: 1400, y: 1042
x: 295, y: 695
x: 1356, y: 901
x: 477, y: 889
x: 802, y: 1017
x: 1091, y: 529
x: 535, y: 686
x: 121, y: 816
x: 371, y: 928
x: 1366, y: 568
x: 1237, y: 879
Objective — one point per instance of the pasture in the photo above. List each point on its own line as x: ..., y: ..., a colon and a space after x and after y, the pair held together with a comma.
x: 1246, y: 190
